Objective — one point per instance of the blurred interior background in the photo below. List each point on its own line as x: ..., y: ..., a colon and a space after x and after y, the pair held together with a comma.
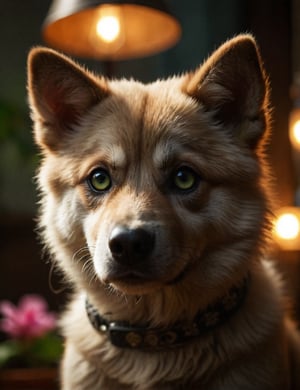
x: 205, y: 24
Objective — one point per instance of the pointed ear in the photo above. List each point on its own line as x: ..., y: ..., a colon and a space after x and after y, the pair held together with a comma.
x: 60, y: 92
x: 232, y: 85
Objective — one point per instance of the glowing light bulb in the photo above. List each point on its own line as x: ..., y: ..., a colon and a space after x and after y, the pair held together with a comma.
x: 294, y: 128
x: 287, y: 226
x: 108, y: 28
x: 296, y: 131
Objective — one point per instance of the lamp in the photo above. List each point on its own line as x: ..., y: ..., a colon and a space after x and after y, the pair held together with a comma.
x: 287, y: 221
x: 294, y: 119
x: 287, y: 228
x: 110, y: 30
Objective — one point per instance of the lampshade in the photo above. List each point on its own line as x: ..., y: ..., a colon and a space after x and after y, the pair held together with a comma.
x: 110, y: 30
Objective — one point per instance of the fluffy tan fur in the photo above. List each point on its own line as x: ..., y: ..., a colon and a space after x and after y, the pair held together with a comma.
x: 213, y: 121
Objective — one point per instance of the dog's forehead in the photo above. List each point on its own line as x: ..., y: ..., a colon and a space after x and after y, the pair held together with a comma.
x: 140, y: 118
x: 155, y: 114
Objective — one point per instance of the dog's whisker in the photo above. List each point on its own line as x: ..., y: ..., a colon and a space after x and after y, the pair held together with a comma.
x: 78, y: 254
x: 87, y: 265
x: 83, y: 255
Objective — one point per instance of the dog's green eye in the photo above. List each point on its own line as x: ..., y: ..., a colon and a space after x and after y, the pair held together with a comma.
x: 185, y: 179
x: 99, y: 180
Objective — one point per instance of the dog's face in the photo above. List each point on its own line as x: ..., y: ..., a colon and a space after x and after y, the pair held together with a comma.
x: 145, y: 185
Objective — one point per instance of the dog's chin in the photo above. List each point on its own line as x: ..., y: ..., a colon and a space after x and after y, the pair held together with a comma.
x: 132, y: 283
x: 137, y: 285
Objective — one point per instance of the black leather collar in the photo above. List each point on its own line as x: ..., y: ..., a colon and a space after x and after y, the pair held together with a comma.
x: 125, y: 335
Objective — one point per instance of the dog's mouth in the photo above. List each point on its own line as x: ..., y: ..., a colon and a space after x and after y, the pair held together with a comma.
x: 180, y: 276
x: 133, y: 282
x: 133, y: 278
x: 128, y: 277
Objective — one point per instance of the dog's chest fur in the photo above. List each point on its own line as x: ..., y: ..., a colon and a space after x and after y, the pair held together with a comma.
x: 195, y: 366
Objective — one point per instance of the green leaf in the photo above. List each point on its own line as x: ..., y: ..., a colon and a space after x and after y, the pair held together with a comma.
x: 42, y: 352
x: 8, y: 350
x: 47, y: 350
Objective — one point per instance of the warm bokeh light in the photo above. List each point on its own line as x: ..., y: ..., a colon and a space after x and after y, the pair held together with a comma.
x: 287, y: 228
x: 296, y: 131
x: 294, y: 128
x: 108, y: 28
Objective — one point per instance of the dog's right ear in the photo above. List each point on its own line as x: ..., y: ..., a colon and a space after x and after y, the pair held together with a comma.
x: 60, y: 92
x: 233, y: 87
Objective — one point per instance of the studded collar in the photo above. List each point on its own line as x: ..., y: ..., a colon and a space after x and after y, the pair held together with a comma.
x: 126, y: 335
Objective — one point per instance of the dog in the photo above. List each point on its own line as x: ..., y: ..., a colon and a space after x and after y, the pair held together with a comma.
x: 154, y: 202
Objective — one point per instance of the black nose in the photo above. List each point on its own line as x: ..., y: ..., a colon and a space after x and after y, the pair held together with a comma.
x: 130, y: 245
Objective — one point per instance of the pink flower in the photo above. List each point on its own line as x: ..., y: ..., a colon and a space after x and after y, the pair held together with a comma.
x: 30, y: 319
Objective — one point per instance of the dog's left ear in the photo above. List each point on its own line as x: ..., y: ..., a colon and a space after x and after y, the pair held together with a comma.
x: 232, y: 85
x: 60, y: 92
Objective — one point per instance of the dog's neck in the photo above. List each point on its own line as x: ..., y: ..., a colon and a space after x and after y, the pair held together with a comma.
x: 135, y: 336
